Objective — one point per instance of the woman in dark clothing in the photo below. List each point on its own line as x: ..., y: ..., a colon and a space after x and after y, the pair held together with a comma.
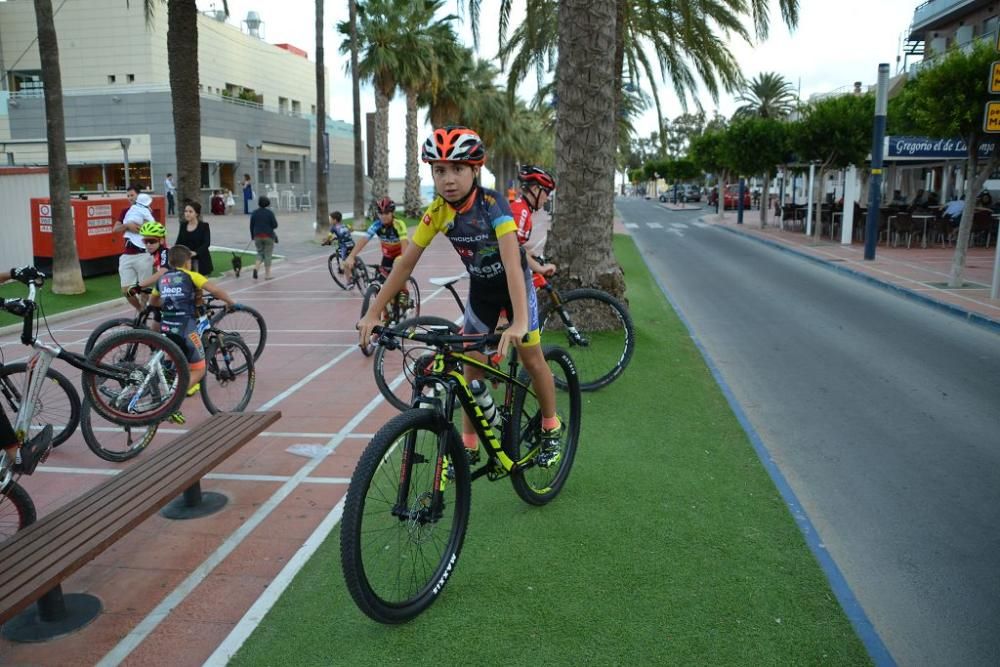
x: 197, y: 236
x: 262, y: 226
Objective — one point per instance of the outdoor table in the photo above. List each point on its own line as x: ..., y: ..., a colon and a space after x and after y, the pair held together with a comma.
x: 926, y: 218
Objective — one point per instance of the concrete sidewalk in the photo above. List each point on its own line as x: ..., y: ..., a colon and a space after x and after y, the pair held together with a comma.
x: 918, y: 273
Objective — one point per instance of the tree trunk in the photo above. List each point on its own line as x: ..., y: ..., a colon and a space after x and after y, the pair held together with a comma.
x: 185, y: 102
x: 322, y: 206
x: 973, y: 185
x: 359, y: 167
x: 580, y: 240
x: 66, y: 275
x: 411, y: 192
x: 817, y: 206
x: 380, y: 146
x: 765, y: 200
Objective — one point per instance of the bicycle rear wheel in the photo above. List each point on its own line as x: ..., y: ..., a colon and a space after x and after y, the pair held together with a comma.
x: 17, y: 510
x: 108, y: 328
x: 229, y: 375
x: 248, y: 323
x: 405, y: 516
x: 596, y: 330
x: 113, y: 442
x: 57, y: 402
x: 388, y: 365
x: 534, y: 484
x: 153, y: 374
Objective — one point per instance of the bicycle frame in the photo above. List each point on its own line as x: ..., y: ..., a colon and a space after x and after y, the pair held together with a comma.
x: 38, y: 365
x: 453, y: 386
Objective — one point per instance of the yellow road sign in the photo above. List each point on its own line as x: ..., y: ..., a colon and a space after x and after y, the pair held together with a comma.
x: 991, y: 119
x: 995, y: 77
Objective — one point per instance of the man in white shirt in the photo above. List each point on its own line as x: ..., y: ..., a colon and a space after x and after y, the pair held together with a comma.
x: 134, y: 264
x: 171, y: 191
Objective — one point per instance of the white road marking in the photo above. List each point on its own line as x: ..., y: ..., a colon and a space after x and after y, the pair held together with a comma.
x: 654, y: 225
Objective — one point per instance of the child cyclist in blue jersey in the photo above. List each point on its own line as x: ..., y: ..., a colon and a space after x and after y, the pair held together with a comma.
x: 479, y: 224
x: 340, y: 232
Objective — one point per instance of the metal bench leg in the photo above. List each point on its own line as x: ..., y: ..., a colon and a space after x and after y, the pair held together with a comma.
x: 194, y: 504
x: 54, y: 615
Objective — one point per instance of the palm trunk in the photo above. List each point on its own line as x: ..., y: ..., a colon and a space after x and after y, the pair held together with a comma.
x: 359, y: 167
x: 765, y: 200
x: 322, y: 159
x: 580, y: 241
x: 185, y: 102
x: 66, y: 275
x: 380, y: 146
x: 411, y: 193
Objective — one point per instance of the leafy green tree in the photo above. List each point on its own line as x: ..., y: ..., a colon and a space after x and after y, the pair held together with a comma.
x: 66, y: 275
x: 707, y: 153
x: 949, y: 100
x: 755, y: 145
x: 768, y: 95
x: 835, y: 132
x: 681, y: 130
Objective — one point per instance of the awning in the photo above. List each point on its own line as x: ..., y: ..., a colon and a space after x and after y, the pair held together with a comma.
x: 284, y: 149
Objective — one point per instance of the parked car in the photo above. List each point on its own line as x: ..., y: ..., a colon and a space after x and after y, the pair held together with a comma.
x: 664, y: 198
x: 732, y: 196
x: 691, y: 192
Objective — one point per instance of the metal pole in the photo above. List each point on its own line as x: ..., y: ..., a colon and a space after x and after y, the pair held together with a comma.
x: 809, y: 198
x: 875, y: 183
x: 995, y: 288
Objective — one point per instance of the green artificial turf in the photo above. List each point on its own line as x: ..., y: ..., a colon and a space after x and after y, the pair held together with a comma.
x: 668, y: 546
x: 99, y: 289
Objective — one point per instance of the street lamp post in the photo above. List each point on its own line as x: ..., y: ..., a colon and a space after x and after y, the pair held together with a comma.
x: 875, y: 186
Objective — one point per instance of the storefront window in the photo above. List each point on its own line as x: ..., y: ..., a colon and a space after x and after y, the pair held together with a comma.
x: 139, y: 174
x: 86, y: 178
x: 295, y: 172
x: 263, y: 171
x: 280, y: 176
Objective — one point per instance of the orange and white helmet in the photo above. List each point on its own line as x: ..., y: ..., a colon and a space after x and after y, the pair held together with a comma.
x: 454, y: 143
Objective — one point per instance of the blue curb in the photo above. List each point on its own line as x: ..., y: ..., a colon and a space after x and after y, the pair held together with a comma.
x: 956, y: 311
x: 841, y: 589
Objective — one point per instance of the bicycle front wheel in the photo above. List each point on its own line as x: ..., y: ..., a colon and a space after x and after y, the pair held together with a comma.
x: 229, y: 375
x: 57, y: 402
x: 17, y: 510
x: 370, y: 294
x: 406, y: 360
x: 248, y: 323
x: 336, y: 271
x: 152, y: 375
x: 597, y: 331
x: 360, y: 278
x: 113, y: 442
x: 405, y: 516
x: 533, y: 483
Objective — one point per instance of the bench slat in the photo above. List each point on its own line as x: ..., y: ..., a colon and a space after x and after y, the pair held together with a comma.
x: 44, y: 554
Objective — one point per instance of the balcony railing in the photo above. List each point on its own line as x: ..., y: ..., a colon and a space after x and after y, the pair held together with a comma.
x: 933, y: 10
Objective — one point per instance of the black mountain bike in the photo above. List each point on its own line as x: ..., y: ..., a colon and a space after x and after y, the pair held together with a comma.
x: 407, y: 505
x: 360, y: 277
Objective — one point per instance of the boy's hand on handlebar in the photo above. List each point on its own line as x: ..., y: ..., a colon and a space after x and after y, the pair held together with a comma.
x: 364, y: 327
x: 349, y: 266
x: 548, y: 270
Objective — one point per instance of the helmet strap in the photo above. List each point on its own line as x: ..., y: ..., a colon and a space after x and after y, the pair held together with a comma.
x: 531, y: 201
x: 464, y: 203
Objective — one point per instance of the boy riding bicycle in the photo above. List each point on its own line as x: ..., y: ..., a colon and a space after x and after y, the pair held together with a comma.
x: 177, y: 293
x: 479, y: 224
x: 392, y: 237
x: 340, y: 233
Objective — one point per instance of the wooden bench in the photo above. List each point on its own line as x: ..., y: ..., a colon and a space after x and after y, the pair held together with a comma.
x: 39, y: 557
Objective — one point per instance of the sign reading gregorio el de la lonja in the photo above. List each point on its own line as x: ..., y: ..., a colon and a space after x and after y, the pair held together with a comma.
x: 926, y: 147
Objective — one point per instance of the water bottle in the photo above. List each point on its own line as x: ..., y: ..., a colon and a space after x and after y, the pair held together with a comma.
x: 485, y: 401
x: 203, y: 324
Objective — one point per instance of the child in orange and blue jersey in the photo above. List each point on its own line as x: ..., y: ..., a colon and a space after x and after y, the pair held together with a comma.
x: 391, y: 234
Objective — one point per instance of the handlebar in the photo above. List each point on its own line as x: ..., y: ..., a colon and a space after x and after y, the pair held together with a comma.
x: 459, y: 342
x: 25, y: 308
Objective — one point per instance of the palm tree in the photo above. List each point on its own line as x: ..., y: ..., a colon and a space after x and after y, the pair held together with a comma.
x: 66, y: 275
x: 377, y: 38
x: 322, y: 159
x: 359, y: 171
x: 425, y: 42
x: 768, y: 95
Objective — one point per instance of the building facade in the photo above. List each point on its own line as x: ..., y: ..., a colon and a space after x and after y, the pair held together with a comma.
x: 939, y: 25
x: 258, y: 103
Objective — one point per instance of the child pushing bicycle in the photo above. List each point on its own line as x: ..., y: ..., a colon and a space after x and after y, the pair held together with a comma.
x: 176, y: 293
x: 341, y: 234
x: 479, y: 224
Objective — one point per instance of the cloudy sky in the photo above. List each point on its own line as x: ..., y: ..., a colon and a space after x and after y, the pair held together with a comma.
x: 835, y: 44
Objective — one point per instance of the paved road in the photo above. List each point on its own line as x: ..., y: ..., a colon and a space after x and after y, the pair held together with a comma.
x: 882, y: 414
